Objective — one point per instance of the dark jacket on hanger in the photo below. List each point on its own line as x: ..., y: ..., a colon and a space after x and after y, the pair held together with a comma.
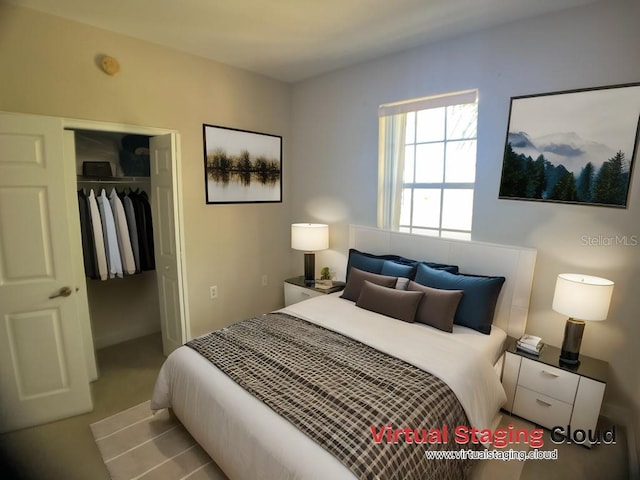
x: 88, y: 246
x: 144, y: 226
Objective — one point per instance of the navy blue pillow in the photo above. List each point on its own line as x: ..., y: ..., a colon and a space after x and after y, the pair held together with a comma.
x: 441, y: 266
x: 397, y: 269
x: 478, y: 303
x: 367, y: 262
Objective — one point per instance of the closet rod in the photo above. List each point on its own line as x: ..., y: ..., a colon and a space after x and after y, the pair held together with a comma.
x: 115, y: 180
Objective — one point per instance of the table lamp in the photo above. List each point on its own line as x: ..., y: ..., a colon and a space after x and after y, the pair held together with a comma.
x: 580, y: 297
x: 309, y: 237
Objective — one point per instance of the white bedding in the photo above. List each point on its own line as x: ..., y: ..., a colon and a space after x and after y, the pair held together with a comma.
x: 489, y: 346
x: 249, y: 441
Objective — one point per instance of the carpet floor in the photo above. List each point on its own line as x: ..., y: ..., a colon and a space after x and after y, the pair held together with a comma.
x: 136, y: 444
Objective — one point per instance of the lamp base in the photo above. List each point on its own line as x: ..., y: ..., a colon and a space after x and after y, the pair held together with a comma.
x: 309, y: 269
x: 570, y: 351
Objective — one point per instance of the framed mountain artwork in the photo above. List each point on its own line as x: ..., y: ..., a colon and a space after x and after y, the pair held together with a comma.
x: 576, y: 146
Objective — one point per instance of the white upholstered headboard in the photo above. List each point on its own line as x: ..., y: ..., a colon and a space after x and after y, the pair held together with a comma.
x: 516, y: 264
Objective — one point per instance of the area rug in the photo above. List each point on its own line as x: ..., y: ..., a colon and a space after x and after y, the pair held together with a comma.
x: 137, y: 445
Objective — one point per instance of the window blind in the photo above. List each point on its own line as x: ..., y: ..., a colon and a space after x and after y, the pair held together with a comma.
x: 424, y: 103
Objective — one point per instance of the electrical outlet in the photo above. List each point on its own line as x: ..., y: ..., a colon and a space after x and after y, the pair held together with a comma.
x: 265, y: 280
x: 213, y: 292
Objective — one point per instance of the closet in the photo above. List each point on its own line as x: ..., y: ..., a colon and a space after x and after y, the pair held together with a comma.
x: 46, y: 342
x: 153, y: 299
x: 124, y: 306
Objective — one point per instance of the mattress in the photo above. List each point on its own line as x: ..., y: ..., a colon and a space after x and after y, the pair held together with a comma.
x: 249, y: 441
x: 489, y: 346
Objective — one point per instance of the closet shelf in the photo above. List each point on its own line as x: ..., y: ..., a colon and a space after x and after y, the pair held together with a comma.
x: 113, y: 180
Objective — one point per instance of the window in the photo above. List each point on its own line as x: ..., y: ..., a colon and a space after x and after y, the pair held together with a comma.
x: 428, y: 165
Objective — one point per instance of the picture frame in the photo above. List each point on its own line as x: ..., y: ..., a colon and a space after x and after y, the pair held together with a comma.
x: 575, y: 146
x: 241, y: 166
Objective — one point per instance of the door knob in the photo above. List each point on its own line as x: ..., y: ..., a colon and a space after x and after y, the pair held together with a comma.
x: 63, y: 292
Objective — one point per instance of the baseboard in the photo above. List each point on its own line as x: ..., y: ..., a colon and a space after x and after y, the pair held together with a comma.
x: 620, y: 416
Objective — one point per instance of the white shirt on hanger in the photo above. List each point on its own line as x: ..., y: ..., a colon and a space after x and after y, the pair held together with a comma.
x: 122, y: 232
x: 114, y: 262
x: 98, y: 238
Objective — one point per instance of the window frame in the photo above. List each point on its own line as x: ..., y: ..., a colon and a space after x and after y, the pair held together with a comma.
x: 412, y: 107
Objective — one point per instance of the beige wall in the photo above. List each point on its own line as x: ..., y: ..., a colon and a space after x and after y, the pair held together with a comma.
x: 335, y: 132
x: 331, y: 171
x: 49, y: 67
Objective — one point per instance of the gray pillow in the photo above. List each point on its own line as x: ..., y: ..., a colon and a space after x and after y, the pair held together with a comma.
x: 402, y: 283
x: 391, y: 302
x: 357, y: 278
x: 438, y: 307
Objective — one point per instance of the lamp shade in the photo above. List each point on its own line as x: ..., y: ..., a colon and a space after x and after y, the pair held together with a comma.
x: 582, y: 297
x: 309, y: 237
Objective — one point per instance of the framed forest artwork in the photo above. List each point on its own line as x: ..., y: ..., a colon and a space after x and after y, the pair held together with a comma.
x: 241, y: 166
x: 576, y: 146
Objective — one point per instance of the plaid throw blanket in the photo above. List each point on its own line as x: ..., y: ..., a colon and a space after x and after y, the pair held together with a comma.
x: 339, y: 391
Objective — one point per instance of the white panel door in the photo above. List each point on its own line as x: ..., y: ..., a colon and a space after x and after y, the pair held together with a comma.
x: 75, y: 242
x: 166, y: 241
x: 42, y: 366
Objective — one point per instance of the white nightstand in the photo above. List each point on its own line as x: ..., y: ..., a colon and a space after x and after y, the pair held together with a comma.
x: 296, y: 291
x: 550, y: 393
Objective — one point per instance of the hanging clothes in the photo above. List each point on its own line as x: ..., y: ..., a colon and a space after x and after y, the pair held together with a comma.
x: 122, y: 233
x: 144, y: 226
x: 117, y: 233
x: 114, y: 261
x: 133, y: 229
x: 86, y: 230
x: 98, y: 237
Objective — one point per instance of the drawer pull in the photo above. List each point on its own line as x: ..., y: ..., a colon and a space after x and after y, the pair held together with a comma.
x: 551, y: 374
x: 541, y: 402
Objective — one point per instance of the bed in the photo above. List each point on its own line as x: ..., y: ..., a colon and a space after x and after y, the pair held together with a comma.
x: 248, y: 440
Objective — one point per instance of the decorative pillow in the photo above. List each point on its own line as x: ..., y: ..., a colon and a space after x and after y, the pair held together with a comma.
x: 376, y: 263
x: 393, y: 303
x: 394, y: 268
x: 478, y: 304
x: 357, y: 278
x: 402, y: 283
x: 438, y: 307
x: 367, y: 262
x: 440, y: 266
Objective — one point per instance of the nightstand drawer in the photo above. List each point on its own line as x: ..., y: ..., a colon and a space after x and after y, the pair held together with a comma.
x: 294, y: 294
x: 296, y: 290
x: 541, y: 409
x: 548, y: 380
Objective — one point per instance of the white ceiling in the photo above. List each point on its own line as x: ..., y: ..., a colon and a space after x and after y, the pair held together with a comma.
x: 292, y: 40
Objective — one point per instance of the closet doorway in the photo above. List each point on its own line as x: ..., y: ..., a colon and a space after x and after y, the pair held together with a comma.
x: 151, y: 300
x: 46, y: 344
